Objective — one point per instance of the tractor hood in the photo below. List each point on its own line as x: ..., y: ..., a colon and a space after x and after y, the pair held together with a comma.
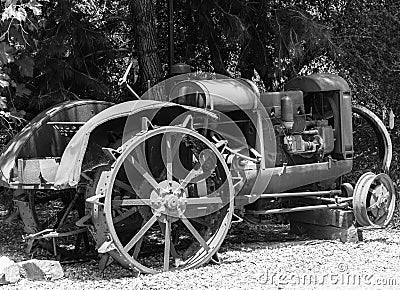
x: 223, y: 95
x: 318, y: 83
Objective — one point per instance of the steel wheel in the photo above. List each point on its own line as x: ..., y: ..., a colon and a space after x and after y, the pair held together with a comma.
x: 49, y: 219
x: 168, y: 196
x: 374, y: 200
x: 371, y: 133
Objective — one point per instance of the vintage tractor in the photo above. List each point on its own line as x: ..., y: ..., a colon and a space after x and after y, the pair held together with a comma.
x: 154, y: 185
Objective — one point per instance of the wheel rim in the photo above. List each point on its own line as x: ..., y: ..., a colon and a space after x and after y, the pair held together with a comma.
x: 374, y: 200
x: 384, y: 143
x: 53, y: 212
x: 167, y: 205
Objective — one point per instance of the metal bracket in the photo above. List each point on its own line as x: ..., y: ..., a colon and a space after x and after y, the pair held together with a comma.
x: 81, y: 221
x: 95, y: 199
x: 146, y: 125
x: 237, y: 218
x: 106, y: 247
x: 110, y: 153
x: 188, y: 122
x: 283, y: 169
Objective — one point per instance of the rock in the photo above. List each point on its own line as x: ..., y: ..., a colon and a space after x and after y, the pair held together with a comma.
x: 31, y: 271
x: 9, y: 271
x: 42, y: 269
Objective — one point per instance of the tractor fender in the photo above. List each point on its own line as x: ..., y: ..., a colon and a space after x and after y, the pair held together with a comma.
x: 38, y: 139
x: 384, y: 140
x: 73, y: 159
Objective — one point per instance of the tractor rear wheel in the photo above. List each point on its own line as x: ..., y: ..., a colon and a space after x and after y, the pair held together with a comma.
x: 165, y: 203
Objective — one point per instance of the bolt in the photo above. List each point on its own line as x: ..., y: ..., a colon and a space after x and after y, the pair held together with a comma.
x: 173, y: 203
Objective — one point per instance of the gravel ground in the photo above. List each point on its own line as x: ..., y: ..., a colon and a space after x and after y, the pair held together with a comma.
x: 253, y: 257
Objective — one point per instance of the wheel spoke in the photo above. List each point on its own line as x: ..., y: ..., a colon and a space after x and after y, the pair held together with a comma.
x: 139, y: 154
x: 195, y: 233
x: 373, y: 209
x: 140, y: 233
x: 372, y: 206
x: 169, y: 157
x: 150, y: 179
x: 174, y: 253
x: 124, y: 186
x: 203, y: 200
x: 124, y: 215
x: 381, y: 212
x: 192, y: 174
x: 167, y: 242
x: 175, y: 148
x: 131, y: 202
x: 138, y: 246
x: 202, y: 175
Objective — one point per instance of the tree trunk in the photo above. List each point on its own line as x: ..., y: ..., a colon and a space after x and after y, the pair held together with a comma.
x: 260, y: 58
x: 142, y: 12
x: 212, y: 38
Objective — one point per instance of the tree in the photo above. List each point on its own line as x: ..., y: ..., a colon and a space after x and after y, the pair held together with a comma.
x: 145, y: 36
x: 367, y: 35
x: 273, y: 39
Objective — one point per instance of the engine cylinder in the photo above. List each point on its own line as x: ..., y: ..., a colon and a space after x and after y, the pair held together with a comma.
x: 287, y: 112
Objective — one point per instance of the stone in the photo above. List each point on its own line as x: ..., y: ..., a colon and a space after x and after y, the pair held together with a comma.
x: 327, y: 224
x: 9, y: 271
x: 42, y: 269
x: 350, y: 234
x: 325, y: 217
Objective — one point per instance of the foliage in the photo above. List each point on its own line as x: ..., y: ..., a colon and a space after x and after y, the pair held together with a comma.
x: 56, y: 51
x: 367, y: 34
x: 20, y: 21
x: 59, y: 50
x: 271, y: 39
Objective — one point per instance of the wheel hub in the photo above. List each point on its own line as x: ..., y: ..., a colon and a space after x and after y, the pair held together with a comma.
x: 381, y: 199
x: 169, y: 202
x: 374, y: 200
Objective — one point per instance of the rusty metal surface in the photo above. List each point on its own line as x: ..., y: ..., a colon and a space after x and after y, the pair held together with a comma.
x: 221, y: 94
x: 318, y: 83
x: 381, y: 132
x: 289, y: 177
x: 70, y: 168
x: 39, y: 140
